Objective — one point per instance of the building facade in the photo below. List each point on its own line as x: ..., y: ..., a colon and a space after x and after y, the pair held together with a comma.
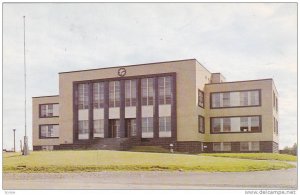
x: 157, y: 104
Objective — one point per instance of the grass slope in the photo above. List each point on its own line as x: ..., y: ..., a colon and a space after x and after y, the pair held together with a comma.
x: 97, y: 160
x: 255, y: 156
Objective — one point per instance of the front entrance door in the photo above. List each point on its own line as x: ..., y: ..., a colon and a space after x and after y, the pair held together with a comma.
x: 114, y: 128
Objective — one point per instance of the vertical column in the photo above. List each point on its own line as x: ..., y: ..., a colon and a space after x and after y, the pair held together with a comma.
x: 122, y: 108
x: 106, y: 108
x: 75, y: 113
x: 91, y: 113
x: 138, y: 109
x: 173, y: 108
x: 156, y: 110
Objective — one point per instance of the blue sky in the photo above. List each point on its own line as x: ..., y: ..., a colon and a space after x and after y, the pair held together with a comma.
x: 243, y: 41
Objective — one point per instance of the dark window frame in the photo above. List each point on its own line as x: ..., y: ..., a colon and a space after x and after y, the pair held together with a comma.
x: 259, y: 131
x: 201, y: 92
x: 199, y: 119
x: 40, y: 110
x: 259, y: 99
x: 40, y: 133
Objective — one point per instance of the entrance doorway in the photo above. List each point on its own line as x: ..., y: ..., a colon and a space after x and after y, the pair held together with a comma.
x: 114, y: 128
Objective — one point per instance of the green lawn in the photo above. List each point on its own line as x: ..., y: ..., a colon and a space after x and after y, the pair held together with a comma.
x: 101, y: 160
x: 155, y: 149
x: 256, y: 156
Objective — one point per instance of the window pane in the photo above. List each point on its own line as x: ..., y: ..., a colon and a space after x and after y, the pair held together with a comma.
x: 117, y: 93
x: 255, y: 146
x: 216, y: 146
x: 83, y: 129
x: 227, y: 146
x: 43, y: 111
x: 216, y: 100
x: 127, y: 93
x: 98, y: 95
x: 150, y: 91
x: 133, y: 92
x: 244, y: 98
x: 244, y: 124
x: 201, y: 124
x: 226, y: 124
x: 226, y: 99
x: 168, y: 90
x: 161, y: 90
x: 83, y: 102
x: 244, y: 146
x: 255, y: 126
x: 216, y: 123
x: 144, y: 91
x: 254, y: 98
x: 133, y: 127
x: 200, y: 98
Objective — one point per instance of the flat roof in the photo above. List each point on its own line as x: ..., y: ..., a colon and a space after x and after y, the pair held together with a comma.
x: 238, y: 81
x: 45, y: 96
x: 129, y: 66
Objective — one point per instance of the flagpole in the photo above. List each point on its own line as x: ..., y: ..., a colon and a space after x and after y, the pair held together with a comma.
x: 25, y: 149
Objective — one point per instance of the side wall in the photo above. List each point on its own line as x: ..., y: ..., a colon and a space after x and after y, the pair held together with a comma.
x: 265, y: 110
x: 37, y: 121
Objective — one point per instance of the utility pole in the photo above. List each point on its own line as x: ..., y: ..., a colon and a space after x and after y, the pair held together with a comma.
x: 14, y: 140
x: 25, y: 149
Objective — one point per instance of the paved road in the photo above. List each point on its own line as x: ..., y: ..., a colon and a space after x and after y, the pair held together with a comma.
x: 153, y: 180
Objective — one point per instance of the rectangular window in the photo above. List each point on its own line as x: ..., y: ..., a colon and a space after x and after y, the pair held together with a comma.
x: 235, y: 99
x: 147, y: 91
x: 147, y: 127
x: 244, y: 146
x: 130, y: 93
x: 98, y: 95
x: 49, y: 131
x: 200, y: 98
x: 216, y: 146
x: 114, y: 94
x: 83, y: 129
x: 227, y: 146
x: 222, y: 146
x: 99, y: 128
x: 49, y: 110
x: 236, y: 124
x: 165, y: 126
x: 249, y: 146
x: 201, y: 126
x: 83, y: 96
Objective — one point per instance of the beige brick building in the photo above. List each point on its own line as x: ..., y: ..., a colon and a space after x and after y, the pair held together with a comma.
x: 174, y: 102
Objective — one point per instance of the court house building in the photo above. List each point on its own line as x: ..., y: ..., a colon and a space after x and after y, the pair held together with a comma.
x: 157, y: 104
